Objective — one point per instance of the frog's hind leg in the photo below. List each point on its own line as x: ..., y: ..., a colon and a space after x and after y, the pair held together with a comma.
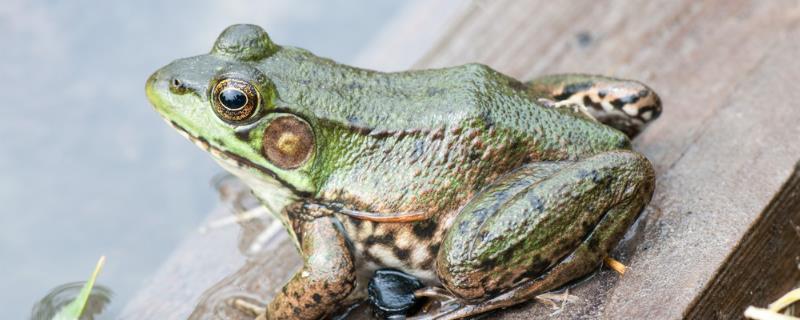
x: 525, y: 236
x: 626, y: 105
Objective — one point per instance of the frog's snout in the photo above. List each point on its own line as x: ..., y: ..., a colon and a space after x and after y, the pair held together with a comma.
x: 160, y: 86
x: 150, y: 87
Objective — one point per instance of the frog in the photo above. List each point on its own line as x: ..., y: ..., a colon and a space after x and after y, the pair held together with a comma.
x: 488, y: 189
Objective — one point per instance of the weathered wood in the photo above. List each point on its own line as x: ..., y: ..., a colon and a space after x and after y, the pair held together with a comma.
x: 721, y: 231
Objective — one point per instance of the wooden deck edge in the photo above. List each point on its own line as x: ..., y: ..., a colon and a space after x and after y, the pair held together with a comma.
x: 764, y: 264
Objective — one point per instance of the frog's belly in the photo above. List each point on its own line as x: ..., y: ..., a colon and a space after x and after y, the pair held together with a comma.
x: 408, y: 247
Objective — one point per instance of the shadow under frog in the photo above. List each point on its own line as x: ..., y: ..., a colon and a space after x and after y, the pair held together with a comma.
x: 494, y: 189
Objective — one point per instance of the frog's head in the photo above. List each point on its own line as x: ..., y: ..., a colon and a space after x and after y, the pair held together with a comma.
x: 227, y: 106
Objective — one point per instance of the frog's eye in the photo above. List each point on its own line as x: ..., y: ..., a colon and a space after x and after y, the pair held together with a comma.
x: 235, y: 100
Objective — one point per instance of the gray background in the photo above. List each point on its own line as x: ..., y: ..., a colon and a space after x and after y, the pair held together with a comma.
x: 86, y: 167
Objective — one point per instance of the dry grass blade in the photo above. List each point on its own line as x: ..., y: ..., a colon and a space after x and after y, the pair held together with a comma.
x: 785, y: 301
x: 764, y: 314
x: 615, y: 265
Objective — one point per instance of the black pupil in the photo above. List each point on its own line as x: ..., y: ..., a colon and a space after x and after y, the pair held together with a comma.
x: 232, y: 99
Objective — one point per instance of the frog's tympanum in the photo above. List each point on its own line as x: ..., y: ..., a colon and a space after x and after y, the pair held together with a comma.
x: 493, y: 189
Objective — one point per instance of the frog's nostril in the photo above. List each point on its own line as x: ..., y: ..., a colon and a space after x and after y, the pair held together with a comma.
x: 177, y: 86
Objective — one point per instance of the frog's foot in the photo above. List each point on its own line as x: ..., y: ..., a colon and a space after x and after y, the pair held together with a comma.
x: 626, y: 105
x: 502, y: 249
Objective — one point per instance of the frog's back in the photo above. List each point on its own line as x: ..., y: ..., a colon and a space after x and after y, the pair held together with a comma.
x: 462, y: 97
x: 422, y: 99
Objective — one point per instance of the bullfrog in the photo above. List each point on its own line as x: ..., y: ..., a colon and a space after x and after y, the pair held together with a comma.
x: 491, y: 189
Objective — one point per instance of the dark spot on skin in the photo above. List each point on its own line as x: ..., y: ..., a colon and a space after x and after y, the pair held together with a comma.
x: 508, y: 256
x: 587, y: 225
x: 629, y: 99
x: 487, y: 120
x: 655, y: 111
x: 572, y: 89
x: 591, y: 103
x: 218, y: 142
x: 434, y: 249
x: 370, y: 257
x: 463, y: 226
x: 617, y: 103
x: 352, y: 120
x: 355, y: 86
x: 487, y: 264
x: 536, y: 203
x: 594, y: 175
x: 419, y: 148
x: 483, y: 235
x: 539, y: 265
x: 317, y: 298
x: 379, y: 239
x: 424, y: 229
x: 584, y: 38
x: 602, y: 94
x: 593, y: 243
x: 474, y: 155
x: 356, y: 222
x: 296, y: 311
x: 401, y: 253
x: 623, y: 143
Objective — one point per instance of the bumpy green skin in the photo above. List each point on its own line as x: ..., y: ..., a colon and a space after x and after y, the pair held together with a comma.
x: 418, y: 142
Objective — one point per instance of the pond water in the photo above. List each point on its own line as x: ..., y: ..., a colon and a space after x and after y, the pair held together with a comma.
x: 86, y: 167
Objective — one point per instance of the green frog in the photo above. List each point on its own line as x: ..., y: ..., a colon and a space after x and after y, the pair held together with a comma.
x: 491, y: 189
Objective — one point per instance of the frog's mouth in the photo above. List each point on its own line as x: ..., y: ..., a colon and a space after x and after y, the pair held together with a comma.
x: 233, y: 159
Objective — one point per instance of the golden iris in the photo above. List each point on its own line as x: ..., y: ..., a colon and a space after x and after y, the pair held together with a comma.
x: 235, y: 100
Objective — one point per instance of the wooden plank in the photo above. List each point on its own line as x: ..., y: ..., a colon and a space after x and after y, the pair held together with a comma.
x: 719, y: 233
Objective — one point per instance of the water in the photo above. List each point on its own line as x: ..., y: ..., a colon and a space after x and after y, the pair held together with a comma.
x: 86, y: 167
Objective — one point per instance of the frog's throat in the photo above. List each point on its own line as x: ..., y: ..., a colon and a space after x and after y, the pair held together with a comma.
x: 235, y: 160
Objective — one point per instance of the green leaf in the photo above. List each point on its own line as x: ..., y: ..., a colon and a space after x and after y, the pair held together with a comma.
x: 74, y: 309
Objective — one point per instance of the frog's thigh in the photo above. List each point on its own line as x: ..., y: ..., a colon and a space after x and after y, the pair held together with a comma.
x: 572, y: 217
x: 626, y: 105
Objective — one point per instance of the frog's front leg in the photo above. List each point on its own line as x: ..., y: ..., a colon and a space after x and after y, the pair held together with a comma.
x: 626, y: 105
x: 541, y: 227
x: 327, y: 276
